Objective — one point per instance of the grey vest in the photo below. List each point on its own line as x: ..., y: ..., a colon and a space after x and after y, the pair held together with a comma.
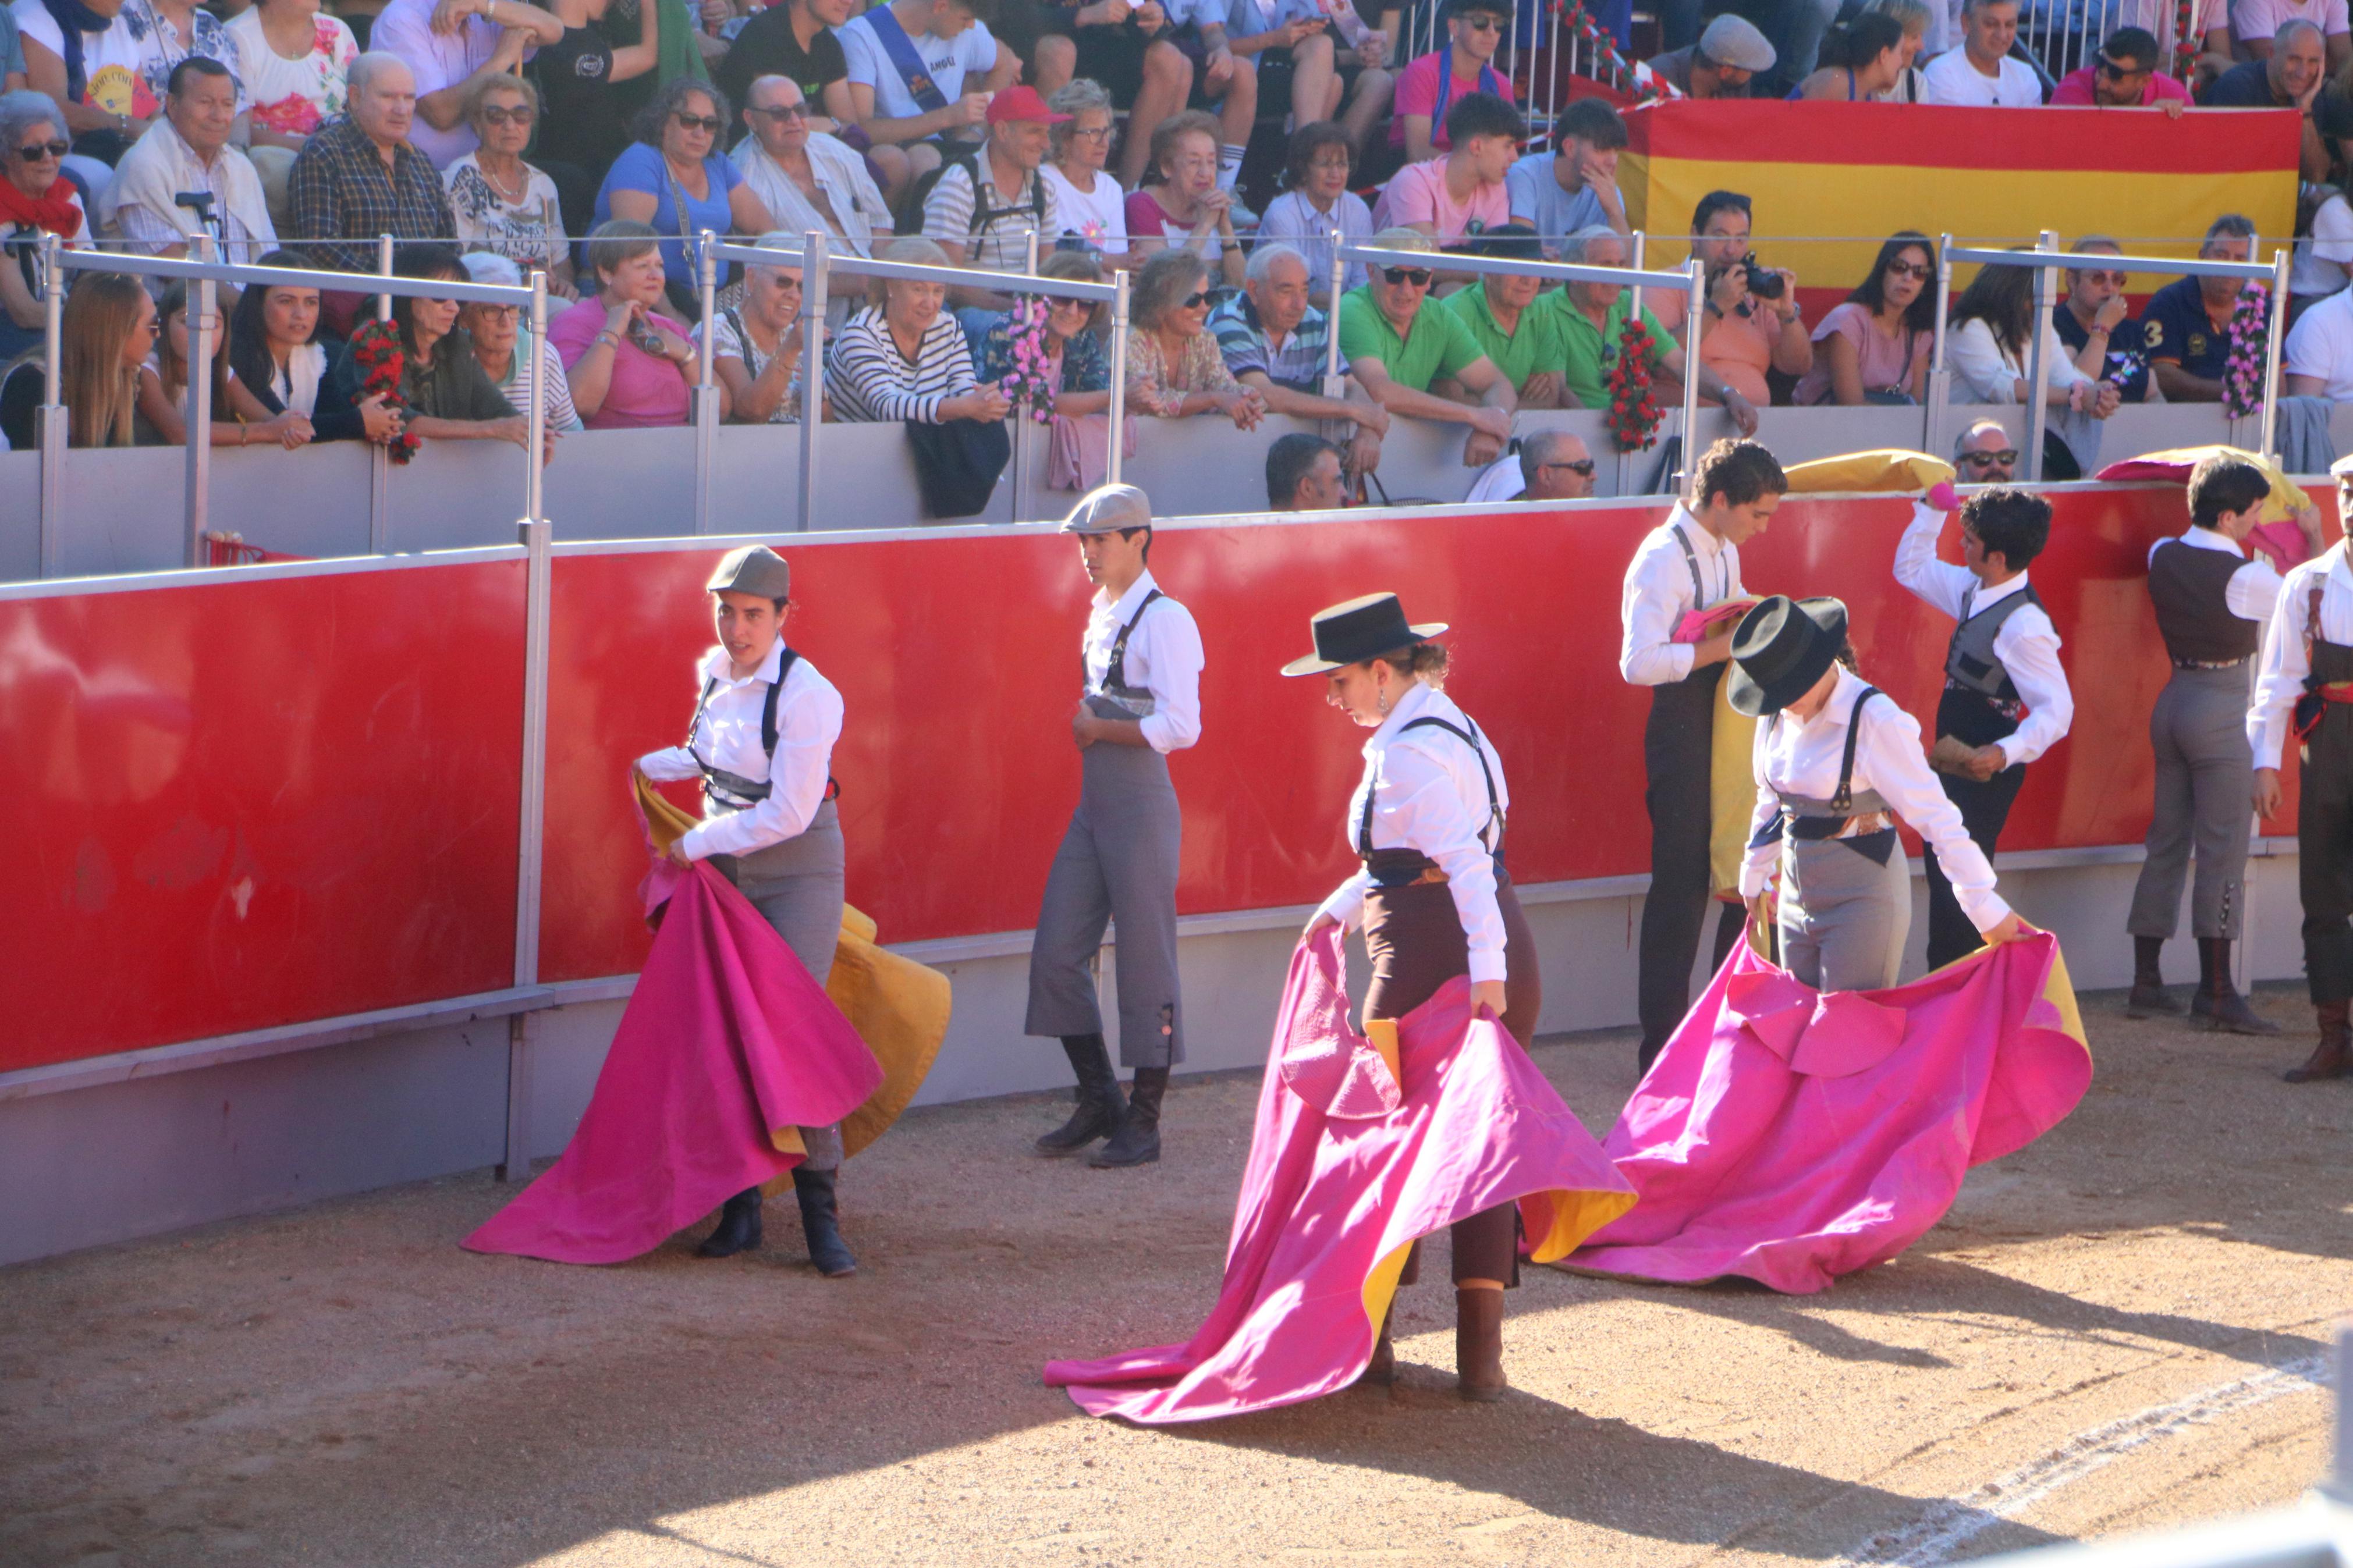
x: 1830, y: 816
x: 1969, y: 661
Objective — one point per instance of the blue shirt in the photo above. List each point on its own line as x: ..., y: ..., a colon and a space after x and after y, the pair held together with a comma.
x: 642, y: 168
x: 2176, y: 327
x: 1537, y: 199
x: 2127, y: 363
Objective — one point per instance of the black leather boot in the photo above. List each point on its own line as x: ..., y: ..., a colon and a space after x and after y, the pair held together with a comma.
x: 1100, y: 1105
x: 821, y: 1225
x: 2218, y: 1005
x: 739, y: 1226
x: 2332, y: 1058
x: 2149, y: 999
x: 1137, y: 1141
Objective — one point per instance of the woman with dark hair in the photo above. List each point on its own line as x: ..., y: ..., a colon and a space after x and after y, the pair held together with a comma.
x: 675, y: 180
x: 239, y: 418
x: 1987, y: 353
x: 1875, y: 347
x: 279, y: 357
x: 449, y: 397
x: 1316, y: 200
x: 1174, y: 367
x: 1860, y: 60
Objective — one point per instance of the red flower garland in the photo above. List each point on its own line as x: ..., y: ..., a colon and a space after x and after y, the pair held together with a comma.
x: 1634, y: 414
x: 377, y: 350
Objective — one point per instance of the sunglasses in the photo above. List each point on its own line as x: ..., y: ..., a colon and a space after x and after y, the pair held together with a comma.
x: 1988, y: 460
x: 708, y: 123
x: 790, y: 112
x: 498, y: 312
x: 34, y: 151
x: 1483, y: 24
x: 521, y: 114
x: 2115, y: 279
x: 2115, y: 73
x: 1194, y: 300
x: 1416, y: 276
x: 1909, y: 270
x: 1583, y: 466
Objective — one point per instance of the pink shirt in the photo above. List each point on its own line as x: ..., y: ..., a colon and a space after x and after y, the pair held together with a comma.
x: 1417, y: 93
x: 1417, y: 194
x: 2076, y: 86
x: 645, y: 389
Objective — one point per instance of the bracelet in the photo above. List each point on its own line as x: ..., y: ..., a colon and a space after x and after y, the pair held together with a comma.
x: 608, y: 337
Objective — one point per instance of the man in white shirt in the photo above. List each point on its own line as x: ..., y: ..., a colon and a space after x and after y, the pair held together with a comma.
x: 187, y: 150
x: 2006, y: 699
x: 448, y: 45
x: 1982, y: 73
x: 1142, y: 655
x: 1689, y: 564
x: 807, y: 179
x: 2320, y: 350
x: 921, y: 72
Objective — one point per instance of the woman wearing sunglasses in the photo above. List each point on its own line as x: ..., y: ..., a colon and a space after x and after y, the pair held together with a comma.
x: 1875, y: 347
x: 503, y: 204
x: 1173, y: 368
x: 36, y: 198
x: 674, y: 180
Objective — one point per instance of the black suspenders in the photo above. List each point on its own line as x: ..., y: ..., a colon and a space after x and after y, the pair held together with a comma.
x: 729, y: 784
x: 1691, y: 559
x: 1115, y: 683
x: 1495, y: 804
x: 1844, y: 796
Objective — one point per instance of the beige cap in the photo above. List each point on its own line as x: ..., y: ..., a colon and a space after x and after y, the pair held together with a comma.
x: 755, y: 568
x: 1109, y: 508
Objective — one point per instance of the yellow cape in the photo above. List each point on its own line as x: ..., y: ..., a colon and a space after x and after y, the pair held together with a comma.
x: 1890, y: 468
x: 1731, y: 793
x: 2287, y: 497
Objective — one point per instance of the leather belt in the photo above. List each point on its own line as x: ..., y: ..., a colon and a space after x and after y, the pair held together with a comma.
x: 2211, y: 663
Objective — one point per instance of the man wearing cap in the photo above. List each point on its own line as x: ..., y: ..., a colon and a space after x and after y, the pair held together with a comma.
x: 1721, y: 65
x: 993, y: 230
x: 1464, y: 64
x: 762, y: 742
x: 1688, y: 564
x: 1142, y: 659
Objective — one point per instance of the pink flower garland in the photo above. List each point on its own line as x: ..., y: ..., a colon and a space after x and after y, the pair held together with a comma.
x: 2243, y: 369
x: 1031, y: 384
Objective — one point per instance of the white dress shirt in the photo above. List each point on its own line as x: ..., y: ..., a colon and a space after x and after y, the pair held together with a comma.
x: 1164, y: 657
x: 1433, y: 796
x: 727, y: 736
x: 2252, y: 589
x: 1802, y: 757
x: 2027, y: 645
x: 2280, y: 680
x: 1989, y: 372
x: 1659, y: 591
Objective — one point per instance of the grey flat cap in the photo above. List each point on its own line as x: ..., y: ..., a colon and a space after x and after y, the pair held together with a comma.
x: 1733, y: 40
x: 1108, y: 509
x: 755, y: 568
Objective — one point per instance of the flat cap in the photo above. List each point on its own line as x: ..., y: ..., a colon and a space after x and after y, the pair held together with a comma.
x: 1734, y: 41
x: 755, y: 568
x: 1108, y: 509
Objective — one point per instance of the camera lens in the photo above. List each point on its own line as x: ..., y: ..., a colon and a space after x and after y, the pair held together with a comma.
x: 1763, y: 281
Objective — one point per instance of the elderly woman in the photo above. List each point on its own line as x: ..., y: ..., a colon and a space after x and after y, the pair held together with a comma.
x: 448, y: 397
x: 1092, y: 205
x: 674, y: 179
x: 496, y: 332
x: 502, y: 204
x: 627, y: 362
x: 755, y: 346
x: 109, y: 330
x: 904, y: 357
x: 1080, y: 370
x: 36, y: 198
x: 274, y: 347
x: 1174, y: 367
x: 1186, y: 208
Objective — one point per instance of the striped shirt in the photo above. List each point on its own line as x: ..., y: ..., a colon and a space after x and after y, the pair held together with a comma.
x: 999, y: 238
x: 872, y: 381
x: 1242, y: 339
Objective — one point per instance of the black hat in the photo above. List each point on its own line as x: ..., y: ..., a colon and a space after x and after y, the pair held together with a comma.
x: 1358, y: 630
x: 1780, y: 649
x: 1465, y: 7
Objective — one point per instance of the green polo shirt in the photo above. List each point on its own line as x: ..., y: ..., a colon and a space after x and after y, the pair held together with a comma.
x: 1538, y: 343
x: 1593, y: 352
x: 1438, y: 344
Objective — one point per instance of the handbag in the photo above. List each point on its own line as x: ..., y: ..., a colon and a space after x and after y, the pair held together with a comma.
x: 959, y: 463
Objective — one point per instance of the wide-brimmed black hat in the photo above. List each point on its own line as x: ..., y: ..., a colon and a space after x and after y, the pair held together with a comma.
x: 1780, y: 649
x: 1358, y: 630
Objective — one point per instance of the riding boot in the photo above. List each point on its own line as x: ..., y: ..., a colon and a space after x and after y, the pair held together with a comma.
x: 2148, y: 998
x: 1100, y: 1105
x: 820, y: 1224
x: 2218, y: 1005
x: 739, y: 1226
x: 1382, y: 1371
x: 2334, y: 1056
x: 1478, y: 1340
x: 1137, y: 1141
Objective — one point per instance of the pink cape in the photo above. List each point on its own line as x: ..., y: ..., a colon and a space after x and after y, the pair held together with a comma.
x: 1346, y: 1171
x: 727, y: 1041
x: 1792, y: 1136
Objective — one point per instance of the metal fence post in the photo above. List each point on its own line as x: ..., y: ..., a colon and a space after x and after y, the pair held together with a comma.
x: 1332, y: 386
x: 1025, y: 428
x: 2274, y: 333
x: 1695, y: 302
x: 53, y: 412
x: 379, y: 459
x: 1119, y: 374
x: 1937, y: 391
x: 706, y: 395
x: 202, y: 342
x: 2038, y: 364
x: 537, y: 536
x: 813, y: 293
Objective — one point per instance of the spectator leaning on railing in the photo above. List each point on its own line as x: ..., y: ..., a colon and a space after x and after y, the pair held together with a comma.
x: 1729, y: 56
x: 358, y: 177
x: 496, y: 332
x: 108, y: 331
x: 1078, y: 366
x: 755, y: 344
x: 1593, y: 318
x: 239, y: 418
x: 1551, y: 465
x: 1745, y: 333
x: 1304, y: 474
x: 450, y: 398
x: 1462, y: 192
x: 502, y: 204
x: 1463, y: 64
x: 2125, y: 75
x: 1873, y: 347
x: 1315, y: 201
x: 1394, y: 342
x: 904, y: 357
x: 2293, y: 76
x: 36, y: 199
x: 1277, y: 345
x: 187, y: 152
x: 1528, y: 345
x: 1575, y: 185
x: 626, y: 360
x: 1982, y: 73
x: 2092, y: 323
x: 1173, y: 368
x: 274, y: 346
x: 2187, y: 323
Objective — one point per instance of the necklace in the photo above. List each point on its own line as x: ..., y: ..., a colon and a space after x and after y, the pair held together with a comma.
x: 513, y: 197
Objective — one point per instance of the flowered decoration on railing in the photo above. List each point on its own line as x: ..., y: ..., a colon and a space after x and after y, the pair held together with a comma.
x: 382, y: 357
x: 1030, y: 383
x: 2244, y: 367
x: 1637, y: 80
x: 1634, y: 418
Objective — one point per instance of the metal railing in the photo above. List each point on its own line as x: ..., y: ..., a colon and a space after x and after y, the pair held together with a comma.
x: 2047, y: 261
x: 204, y: 343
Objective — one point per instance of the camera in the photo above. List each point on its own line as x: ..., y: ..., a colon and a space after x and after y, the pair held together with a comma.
x: 1763, y: 281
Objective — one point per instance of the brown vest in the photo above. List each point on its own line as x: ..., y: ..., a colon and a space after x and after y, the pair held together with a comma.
x: 2188, y: 585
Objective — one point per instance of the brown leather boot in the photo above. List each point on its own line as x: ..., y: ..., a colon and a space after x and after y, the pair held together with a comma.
x: 2218, y: 1005
x: 1479, y: 1341
x: 2149, y: 999
x: 1382, y: 1371
x: 2332, y: 1058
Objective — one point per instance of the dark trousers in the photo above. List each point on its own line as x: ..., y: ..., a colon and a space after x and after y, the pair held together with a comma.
x: 2324, y: 834
x: 1677, y: 756
x: 1985, y: 807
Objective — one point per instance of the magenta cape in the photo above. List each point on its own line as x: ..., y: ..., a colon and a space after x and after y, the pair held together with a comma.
x: 726, y: 1049
x: 1792, y: 1136
x: 1345, y: 1171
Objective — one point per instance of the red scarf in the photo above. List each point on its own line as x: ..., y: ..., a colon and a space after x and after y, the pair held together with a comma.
x: 53, y: 210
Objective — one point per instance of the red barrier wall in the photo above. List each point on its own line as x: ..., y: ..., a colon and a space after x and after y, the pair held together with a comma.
x: 250, y: 802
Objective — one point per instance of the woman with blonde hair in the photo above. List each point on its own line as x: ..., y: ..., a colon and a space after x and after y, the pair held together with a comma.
x: 109, y: 330
x: 1173, y: 368
x: 905, y: 357
x: 1080, y: 370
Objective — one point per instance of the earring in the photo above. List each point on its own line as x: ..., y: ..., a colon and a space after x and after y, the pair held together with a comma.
x: 1381, y: 701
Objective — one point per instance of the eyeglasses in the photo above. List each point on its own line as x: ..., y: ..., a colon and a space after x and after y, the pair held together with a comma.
x: 1339, y: 163
x: 521, y: 114
x: 2114, y: 72
x: 1483, y: 24
x: 1416, y: 276
x: 1195, y: 300
x: 789, y: 111
x: 2116, y: 279
x: 1583, y: 467
x: 708, y: 123
x: 1090, y: 133
x: 1919, y: 270
x: 2002, y: 459
x: 34, y: 151
x: 499, y: 312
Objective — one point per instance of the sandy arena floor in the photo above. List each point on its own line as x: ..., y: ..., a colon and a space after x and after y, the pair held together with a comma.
x: 2116, y: 1329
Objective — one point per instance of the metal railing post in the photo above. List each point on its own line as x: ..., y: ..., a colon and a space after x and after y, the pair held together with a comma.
x: 1695, y: 302
x: 53, y: 429
x: 203, y: 324
x: 1112, y: 463
x: 537, y: 536
x: 1640, y: 242
x: 1331, y: 387
x: 379, y: 459
x: 1939, y: 391
x: 2038, y: 364
x: 2274, y: 333
x: 535, y: 344
x: 706, y: 395
x: 1024, y: 428
x: 813, y: 293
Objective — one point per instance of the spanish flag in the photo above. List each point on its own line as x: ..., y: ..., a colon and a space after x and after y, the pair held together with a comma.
x: 1828, y: 182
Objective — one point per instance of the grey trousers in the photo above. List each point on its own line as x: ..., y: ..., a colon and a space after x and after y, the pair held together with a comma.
x: 1117, y: 861
x: 2204, y: 768
x: 1843, y: 917
x: 796, y: 886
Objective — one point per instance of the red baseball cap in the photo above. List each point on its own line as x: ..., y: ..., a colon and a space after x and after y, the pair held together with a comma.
x: 1021, y: 103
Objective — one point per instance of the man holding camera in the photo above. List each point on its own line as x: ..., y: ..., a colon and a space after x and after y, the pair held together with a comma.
x: 1753, y: 323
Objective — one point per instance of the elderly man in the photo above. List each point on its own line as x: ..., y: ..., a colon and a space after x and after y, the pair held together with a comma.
x: 1304, y: 474
x: 2258, y: 24
x: 1728, y: 55
x: 451, y: 46
x: 1273, y: 339
x: 806, y: 178
x: 358, y: 177
x: 2293, y: 77
x: 1525, y: 343
x: 2091, y: 322
x: 1397, y: 345
x: 1986, y: 454
x: 185, y: 153
x: 1551, y: 465
x: 1982, y: 73
x: 985, y: 205
x: 2187, y: 326
x: 1575, y: 185
x: 1593, y: 317
x: 2125, y: 76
